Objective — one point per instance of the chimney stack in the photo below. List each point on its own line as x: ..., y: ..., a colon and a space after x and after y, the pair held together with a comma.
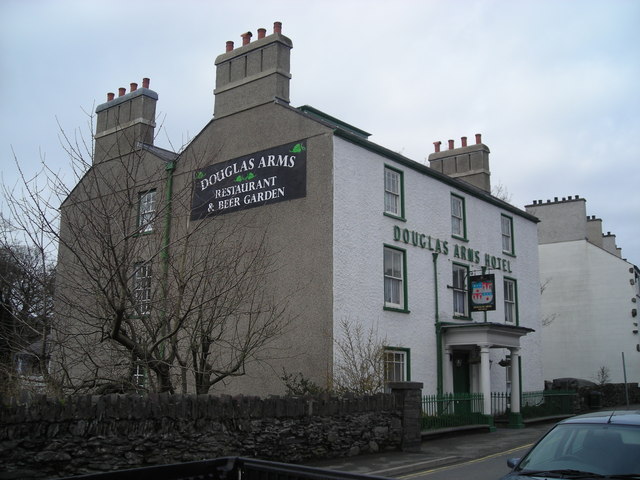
x: 468, y: 162
x: 246, y: 38
x: 123, y: 122
x: 253, y: 74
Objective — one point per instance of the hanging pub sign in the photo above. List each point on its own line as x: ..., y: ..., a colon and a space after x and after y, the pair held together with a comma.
x: 483, y: 293
x: 269, y: 176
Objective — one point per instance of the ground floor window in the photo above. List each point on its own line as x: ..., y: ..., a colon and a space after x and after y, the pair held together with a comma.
x: 138, y: 376
x: 396, y: 365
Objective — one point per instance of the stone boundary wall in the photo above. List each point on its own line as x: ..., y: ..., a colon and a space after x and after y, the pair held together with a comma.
x: 612, y: 396
x: 51, y: 438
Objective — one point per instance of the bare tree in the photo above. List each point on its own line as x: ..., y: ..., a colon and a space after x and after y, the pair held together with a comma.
x: 603, y: 375
x: 26, y: 294
x: 359, y: 366
x: 548, y: 319
x: 140, y: 290
x: 500, y: 191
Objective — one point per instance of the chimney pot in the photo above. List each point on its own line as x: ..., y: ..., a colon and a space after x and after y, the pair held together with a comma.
x: 110, y: 96
x: 450, y: 144
x: 246, y: 38
x: 464, y: 141
x: 134, y: 87
x: 145, y: 83
x: 229, y: 46
x: 121, y: 91
x: 277, y: 27
x: 262, y: 32
x: 437, y: 145
x: 478, y: 138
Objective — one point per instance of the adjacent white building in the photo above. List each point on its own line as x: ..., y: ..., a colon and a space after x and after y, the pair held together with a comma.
x: 590, y: 296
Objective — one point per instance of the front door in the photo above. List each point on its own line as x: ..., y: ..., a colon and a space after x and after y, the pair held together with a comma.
x: 461, y: 383
x: 461, y: 377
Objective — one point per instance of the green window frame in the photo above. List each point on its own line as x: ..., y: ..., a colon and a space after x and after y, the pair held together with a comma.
x: 458, y: 217
x: 395, y: 278
x: 506, y: 228
x: 510, y: 289
x: 397, y: 364
x: 393, y: 192
x: 460, y: 290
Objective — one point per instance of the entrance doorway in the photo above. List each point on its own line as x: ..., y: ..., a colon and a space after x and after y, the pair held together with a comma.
x: 461, y: 383
x: 461, y: 376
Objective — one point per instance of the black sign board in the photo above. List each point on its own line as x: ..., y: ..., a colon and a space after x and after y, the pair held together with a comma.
x: 265, y: 177
x: 483, y: 292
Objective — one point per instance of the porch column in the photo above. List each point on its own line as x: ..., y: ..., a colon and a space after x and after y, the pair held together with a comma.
x: 447, y: 370
x: 485, y: 378
x: 515, y: 417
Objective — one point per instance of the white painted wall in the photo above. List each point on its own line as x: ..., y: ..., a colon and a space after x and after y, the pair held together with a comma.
x: 588, y: 301
x: 360, y: 232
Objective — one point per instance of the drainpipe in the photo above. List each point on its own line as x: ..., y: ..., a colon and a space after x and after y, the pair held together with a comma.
x: 439, y: 388
x: 166, y: 239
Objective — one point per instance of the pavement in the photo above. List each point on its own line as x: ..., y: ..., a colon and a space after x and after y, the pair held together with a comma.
x: 441, y: 449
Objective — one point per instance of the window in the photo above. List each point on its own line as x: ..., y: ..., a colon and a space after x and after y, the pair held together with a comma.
x: 394, y: 278
x: 507, y: 234
x: 458, y: 226
x: 460, y: 292
x: 393, y: 202
x: 142, y: 288
x: 508, y: 373
x: 146, y: 210
x: 138, y: 376
x: 396, y: 365
x: 510, y: 310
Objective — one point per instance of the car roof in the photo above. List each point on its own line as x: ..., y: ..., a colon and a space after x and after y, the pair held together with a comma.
x: 617, y: 417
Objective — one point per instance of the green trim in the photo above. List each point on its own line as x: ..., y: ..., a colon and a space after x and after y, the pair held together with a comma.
x: 405, y: 306
x: 515, y: 421
x: 464, y: 218
x: 402, y: 212
x: 439, y: 366
x: 335, y: 122
x: 390, y: 215
x: 166, y: 240
x: 407, y: 357
x: 516, y: 312
x: 430, y: 172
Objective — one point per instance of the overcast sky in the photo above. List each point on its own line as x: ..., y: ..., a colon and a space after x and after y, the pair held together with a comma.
x: 553, y: 86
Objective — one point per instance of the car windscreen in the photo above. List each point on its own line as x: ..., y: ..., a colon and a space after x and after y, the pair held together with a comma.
x: 604, y: 449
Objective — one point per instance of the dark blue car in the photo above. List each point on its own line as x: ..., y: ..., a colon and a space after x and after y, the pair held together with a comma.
x: 596, y: 445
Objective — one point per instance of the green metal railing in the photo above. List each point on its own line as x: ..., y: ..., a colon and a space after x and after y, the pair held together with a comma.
x: 453, y: 410
x: 535, y: 404
x: 458, y: 409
